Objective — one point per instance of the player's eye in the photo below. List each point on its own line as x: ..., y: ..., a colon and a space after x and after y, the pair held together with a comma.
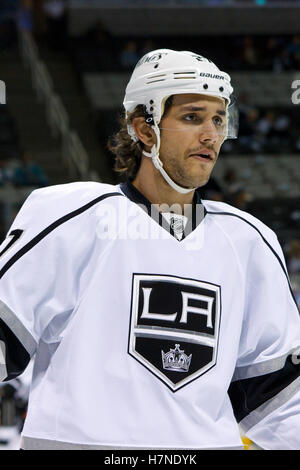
x: 191, y: 117
x: 218, y: 121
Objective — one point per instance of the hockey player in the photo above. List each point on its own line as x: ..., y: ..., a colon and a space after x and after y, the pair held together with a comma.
x: 158, y: 320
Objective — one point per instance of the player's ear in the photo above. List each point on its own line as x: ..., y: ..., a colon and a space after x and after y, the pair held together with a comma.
x: 144, y: 132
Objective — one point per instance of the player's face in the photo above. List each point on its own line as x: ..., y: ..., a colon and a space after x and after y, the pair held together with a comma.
x: 193, y: 126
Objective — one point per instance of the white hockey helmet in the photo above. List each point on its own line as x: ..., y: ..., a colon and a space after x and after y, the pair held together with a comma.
x: 162, y: 73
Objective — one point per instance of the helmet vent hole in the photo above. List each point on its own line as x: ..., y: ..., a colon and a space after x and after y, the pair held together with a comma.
x: 155, y: 66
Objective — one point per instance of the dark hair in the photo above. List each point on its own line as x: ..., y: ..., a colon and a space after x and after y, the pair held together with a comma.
x: 128, y: 154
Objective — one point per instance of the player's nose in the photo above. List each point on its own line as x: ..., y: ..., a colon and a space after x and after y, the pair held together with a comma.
x: 208, y: 132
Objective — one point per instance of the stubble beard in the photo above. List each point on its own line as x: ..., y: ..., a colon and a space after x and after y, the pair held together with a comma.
x: 179, y: 174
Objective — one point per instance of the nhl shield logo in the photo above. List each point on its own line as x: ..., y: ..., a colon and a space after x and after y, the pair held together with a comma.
x: 174, y: 327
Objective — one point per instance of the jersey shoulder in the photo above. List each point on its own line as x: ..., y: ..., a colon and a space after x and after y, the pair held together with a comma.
x: 53, y: 202
x: 72, y: 194
x: 238, y: 218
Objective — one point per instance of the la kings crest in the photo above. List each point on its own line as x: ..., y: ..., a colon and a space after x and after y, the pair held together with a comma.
x: 174, y: 327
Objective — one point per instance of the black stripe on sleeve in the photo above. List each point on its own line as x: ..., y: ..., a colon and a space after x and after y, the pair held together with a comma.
x: 248, y: 394
x: 16, y: 356
x: 268, y: 244
x: 50, y: 229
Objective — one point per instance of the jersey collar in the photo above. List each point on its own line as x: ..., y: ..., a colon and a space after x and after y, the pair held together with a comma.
x: 132, y: 193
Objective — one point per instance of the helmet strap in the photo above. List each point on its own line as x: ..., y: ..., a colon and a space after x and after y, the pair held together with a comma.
x: 154, y: 155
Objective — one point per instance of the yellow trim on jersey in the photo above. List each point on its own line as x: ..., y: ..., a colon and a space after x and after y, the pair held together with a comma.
x: 247, y: 442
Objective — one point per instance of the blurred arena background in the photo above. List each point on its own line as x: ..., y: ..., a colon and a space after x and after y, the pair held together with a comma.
x: 66, y: 64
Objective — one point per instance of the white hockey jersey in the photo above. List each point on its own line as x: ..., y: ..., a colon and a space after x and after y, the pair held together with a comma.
x: 141, y: 339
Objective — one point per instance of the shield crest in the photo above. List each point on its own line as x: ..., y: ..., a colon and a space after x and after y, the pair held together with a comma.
x: 174, y: 327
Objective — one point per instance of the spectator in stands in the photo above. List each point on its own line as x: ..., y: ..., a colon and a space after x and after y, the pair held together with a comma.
x: 283, y: 61
x: 129, y: 55
x: 249, y: 54
x: 244, y: 106
x: 271, y: 53
x: 294, y: 51
x: 281, y: 131
x: 232, y: 182
x: 265, y: 130
x: 100, y: 41
x: 234, y: 192
x: 265, y: 123
x: 273, y: 132
x: 28, y: 173
x: 6, y: 172
x: 247, y: 131
x: 240, y: 199
x: 98, y: 36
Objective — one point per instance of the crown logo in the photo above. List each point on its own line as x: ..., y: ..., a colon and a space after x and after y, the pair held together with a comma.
x: 176, y: 359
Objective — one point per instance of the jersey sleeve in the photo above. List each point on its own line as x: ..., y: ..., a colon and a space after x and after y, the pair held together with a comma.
x: 40, y: 272
x: 265, y: 389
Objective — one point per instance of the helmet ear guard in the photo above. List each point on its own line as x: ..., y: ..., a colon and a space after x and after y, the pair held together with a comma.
x: 148, y: 118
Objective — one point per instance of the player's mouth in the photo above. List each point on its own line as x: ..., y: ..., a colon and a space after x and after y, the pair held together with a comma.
x: 205, y: 155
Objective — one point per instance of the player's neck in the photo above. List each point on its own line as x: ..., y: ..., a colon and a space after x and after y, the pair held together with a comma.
x: 152, y: 185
